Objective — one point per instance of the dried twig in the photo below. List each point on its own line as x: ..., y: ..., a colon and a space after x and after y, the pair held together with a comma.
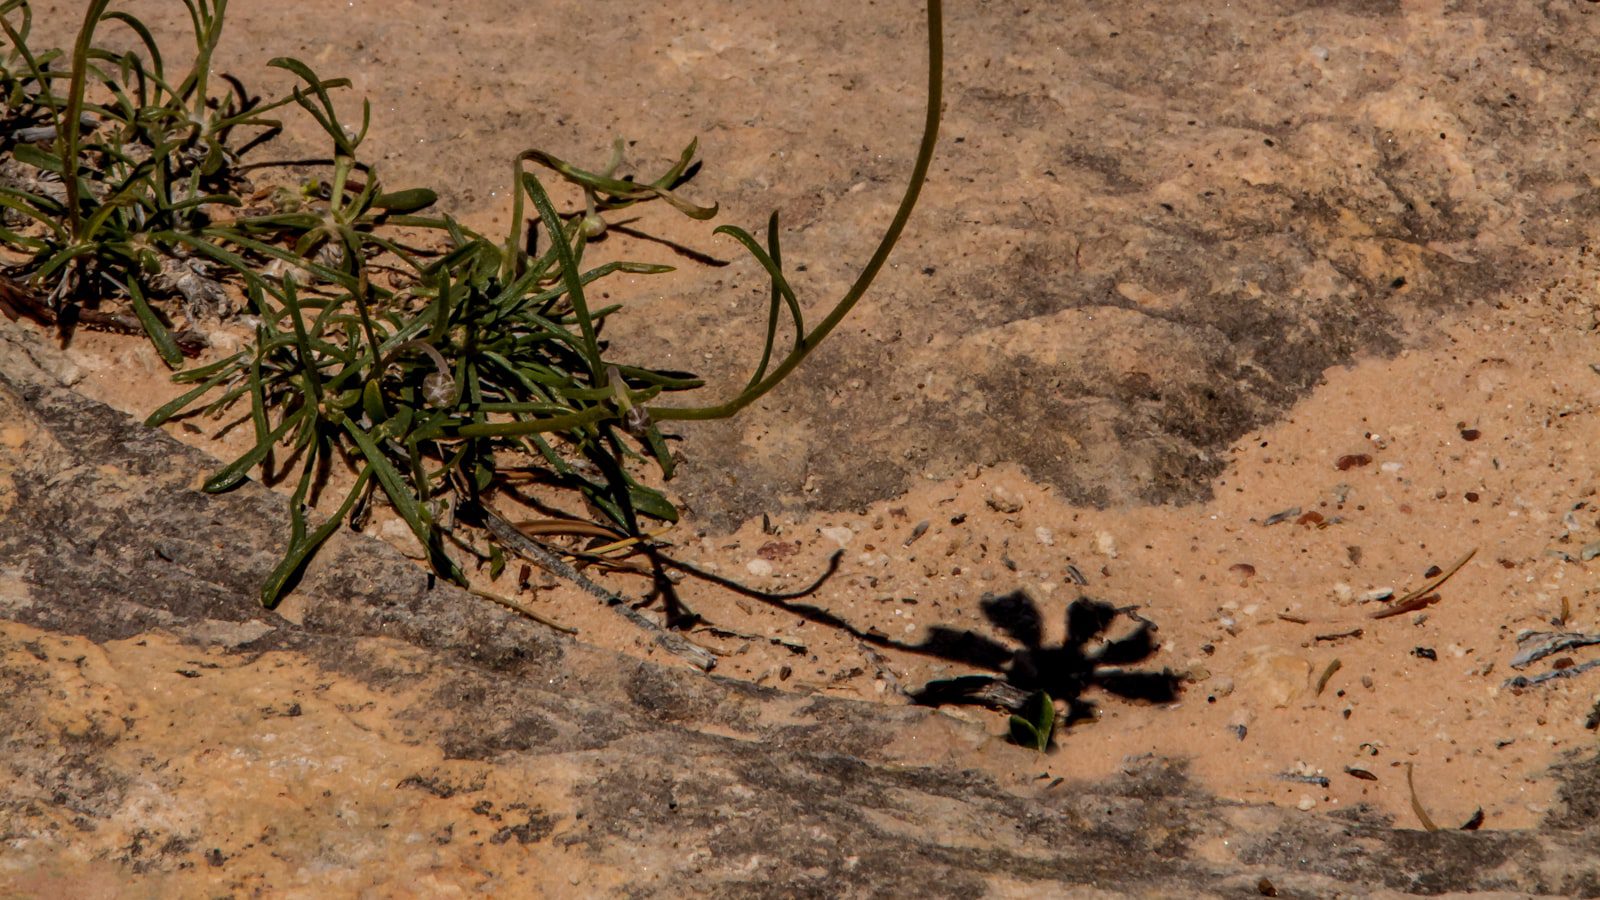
x: 1410, y: 604
x: 515, y: 541
x: 516, y: 607
x: 1419, y: 597
x: 1441, y: 578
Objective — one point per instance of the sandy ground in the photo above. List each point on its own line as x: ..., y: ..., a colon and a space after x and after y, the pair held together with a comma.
x: 1477, y: 439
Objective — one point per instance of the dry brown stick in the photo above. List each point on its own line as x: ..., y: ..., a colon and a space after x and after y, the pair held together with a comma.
x: 1409, y: 601
x: 518, y: 543
x: 516, y: 607
x: 1410, y: 604
x: 1439, y: 579
x: 18, y: 300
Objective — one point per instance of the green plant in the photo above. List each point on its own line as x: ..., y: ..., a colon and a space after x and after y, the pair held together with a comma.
x: 1037, y: 726
x: 431, y: 360
x: 111, y: 198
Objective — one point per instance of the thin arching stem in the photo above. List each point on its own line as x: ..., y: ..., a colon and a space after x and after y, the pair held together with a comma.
x: 71, y: 133
x: 919, y: 174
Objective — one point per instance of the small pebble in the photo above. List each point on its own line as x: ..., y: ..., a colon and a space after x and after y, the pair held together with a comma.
x: 839, y: 535
x: 1105, y: 544
x: 1306, y: 803
x: 1045, y: 536
x: 1276, y: 677
x: 1003, y: 501
x: 1239, y: 724
x: 759, y: 568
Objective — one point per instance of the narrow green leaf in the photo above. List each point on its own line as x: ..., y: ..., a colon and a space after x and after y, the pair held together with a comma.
x: 407, y: 201
x: 301, y: 550
x: 620, y: 189
x: 172, y: 408
x: 402, y: 498
x: 1045, y: 718
x: 657, y: 443
x: 1023, y: 734
x: 163, y: 342
x: 372, y: 402
x: 308, y: 364
x: 28, y: 154
x: 230, y: 475
x: 651, y: 502
x: 533, y: 426
x: 206, y: 371
x: 569, y: 271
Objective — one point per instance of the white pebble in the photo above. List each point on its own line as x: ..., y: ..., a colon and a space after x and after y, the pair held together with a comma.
x: 759, y: 568
x: 1105, y: 544
x: 839, y: 535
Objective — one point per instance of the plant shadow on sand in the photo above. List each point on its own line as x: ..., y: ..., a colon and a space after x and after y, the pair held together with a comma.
x: 1089, y: 656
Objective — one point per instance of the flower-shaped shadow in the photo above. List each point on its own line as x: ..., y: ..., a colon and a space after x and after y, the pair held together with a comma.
x: 1087, y: 657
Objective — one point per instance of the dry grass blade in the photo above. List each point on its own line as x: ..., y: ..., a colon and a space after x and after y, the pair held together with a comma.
x: 1416, y: 804
x: 1417, y: 599
x: 521, y: 610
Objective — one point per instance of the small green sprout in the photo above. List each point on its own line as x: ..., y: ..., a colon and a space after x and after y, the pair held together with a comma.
x: 1035, y: 729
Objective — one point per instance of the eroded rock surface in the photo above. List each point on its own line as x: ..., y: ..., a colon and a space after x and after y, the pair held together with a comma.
x: 1150, y: 226
x: 163, y: 732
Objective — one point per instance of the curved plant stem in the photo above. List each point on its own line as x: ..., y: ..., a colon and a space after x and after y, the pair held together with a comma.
x: 919, y: 174
x: 71, y: 132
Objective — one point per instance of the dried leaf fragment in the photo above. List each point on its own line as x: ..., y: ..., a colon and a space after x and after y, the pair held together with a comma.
x: 1327, y: 673
x: 1352, y: 460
